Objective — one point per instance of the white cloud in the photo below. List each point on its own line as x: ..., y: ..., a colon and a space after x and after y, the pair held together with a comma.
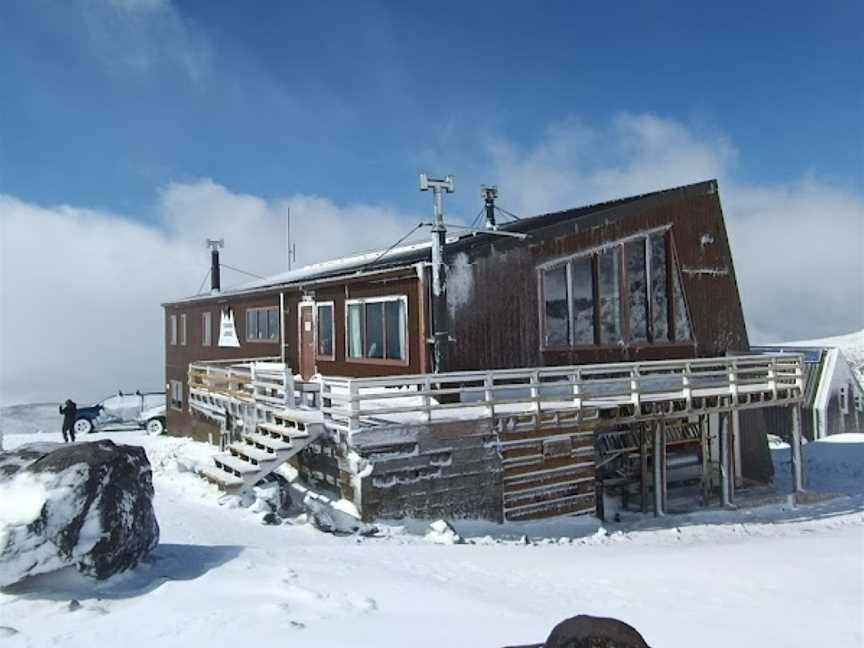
x: 143, y: 35
x: 798, y: 247
x: 80, y: 290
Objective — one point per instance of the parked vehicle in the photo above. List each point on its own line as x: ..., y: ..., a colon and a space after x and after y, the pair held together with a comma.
x: 123, y: 412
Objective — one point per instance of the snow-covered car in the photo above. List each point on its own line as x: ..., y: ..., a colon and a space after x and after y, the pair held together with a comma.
x: 152, y: 419
x: 122, y: 412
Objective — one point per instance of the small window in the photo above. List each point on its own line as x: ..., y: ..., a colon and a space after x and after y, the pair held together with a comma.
x: 659, y: 303
x: 324, y: 316
x: 183, y: 329
x: 172, y: 330
x: 844, y: 399
x: 207, y: 329
x: 610, y: 295
x: 262, y: 324
x: 377, y: 329
x: 557, y: 316
x: 176, y: 395
x: 634, y: 251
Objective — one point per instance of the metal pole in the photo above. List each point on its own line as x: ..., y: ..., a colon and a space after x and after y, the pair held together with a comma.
x: 440, y: 331
x: 797, y: 473
x: 658, y: 470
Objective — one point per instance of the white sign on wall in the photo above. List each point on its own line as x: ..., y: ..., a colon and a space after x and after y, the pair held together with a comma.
x: 227, y: 332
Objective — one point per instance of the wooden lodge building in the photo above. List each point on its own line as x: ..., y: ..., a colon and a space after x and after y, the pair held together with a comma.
x: 643, y: 286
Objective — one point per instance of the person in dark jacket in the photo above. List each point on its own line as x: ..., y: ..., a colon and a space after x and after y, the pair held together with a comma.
x: 70, y: 413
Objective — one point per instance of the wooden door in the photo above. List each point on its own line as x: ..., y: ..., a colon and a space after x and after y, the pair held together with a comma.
x: 307, y: 341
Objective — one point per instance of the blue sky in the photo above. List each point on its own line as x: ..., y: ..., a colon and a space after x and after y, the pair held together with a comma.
x: 131, y: 130
x: 350, y: 99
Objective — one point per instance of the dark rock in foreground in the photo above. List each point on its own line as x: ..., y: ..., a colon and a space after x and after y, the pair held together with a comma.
x: 585, y: 631
x: 87, y: 504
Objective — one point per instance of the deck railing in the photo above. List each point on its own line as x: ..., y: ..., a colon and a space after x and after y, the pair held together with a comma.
x: 262, y: 382
x: 351, y: 404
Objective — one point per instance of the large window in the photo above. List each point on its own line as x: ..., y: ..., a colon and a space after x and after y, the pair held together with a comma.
x: 377, y: 329
x: 206, y: 328
x: 626, y: 292
x: 262, y: 324
x: 324, y: 318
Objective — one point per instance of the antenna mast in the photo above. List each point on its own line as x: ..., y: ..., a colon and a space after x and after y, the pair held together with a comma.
x: 441, y: 334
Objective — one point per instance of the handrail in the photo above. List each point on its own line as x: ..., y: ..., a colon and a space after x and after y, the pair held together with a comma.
x: 345, y: 401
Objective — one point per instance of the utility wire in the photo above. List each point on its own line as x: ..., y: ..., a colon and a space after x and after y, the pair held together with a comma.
x: 201, y: 287
x: 476, y: 220
x: 513, y: 216
x: 251, y: 274
x: 388, y: 250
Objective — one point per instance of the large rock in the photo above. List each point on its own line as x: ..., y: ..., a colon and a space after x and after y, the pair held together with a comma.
x: 87, y: 504
x: 585, y: 631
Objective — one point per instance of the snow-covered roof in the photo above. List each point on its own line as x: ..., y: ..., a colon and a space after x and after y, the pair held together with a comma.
x: 406, y: 255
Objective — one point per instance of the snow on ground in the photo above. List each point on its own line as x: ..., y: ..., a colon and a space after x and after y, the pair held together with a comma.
x: 774, y: 576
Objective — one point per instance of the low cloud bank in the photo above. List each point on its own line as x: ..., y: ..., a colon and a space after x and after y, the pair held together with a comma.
x: 80, y: 289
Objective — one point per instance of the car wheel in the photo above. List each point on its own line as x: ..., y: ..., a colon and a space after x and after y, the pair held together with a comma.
x: 83, y: 426
x: 155, y: 426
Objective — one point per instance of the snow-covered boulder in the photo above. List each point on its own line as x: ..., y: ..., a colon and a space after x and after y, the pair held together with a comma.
x: 441, y: 532
x: 87, y: 504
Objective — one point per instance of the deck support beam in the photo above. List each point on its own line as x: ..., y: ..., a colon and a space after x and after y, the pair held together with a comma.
x: 643, y: 467
x: 727, y: 480
x: 797, y: 471
x: 706, y: 459
x: 659, y: 487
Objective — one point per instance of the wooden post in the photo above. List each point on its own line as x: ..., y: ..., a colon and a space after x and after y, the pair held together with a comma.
x: 658, y: 470
x: 725, y: 462
x: 643, y: 467
x: 664, y: 474
x: 737, y: 478
x: 797, y: 471
x: 704, y: 424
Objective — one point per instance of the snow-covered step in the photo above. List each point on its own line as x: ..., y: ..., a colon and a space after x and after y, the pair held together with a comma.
x: 231, y: 462
x: 291, y: 433
x: 266, y: 441
x: 250, y: 451
x: 220, y: 477
x: 306, y: 416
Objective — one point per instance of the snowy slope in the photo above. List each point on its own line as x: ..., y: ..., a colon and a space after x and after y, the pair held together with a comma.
x: 770, y: 577
x: 851, y: 346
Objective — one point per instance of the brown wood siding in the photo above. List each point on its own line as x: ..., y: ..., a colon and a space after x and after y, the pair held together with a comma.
x: 494, y: 292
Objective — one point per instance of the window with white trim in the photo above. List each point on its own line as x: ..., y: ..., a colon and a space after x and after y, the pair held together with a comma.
x: 377, y: 329
x: 183, y: 329
x: 172, y: 329
x: 262, y: 324
x: 207, y: 329
x: 616, y: 294
x: 325, y: 330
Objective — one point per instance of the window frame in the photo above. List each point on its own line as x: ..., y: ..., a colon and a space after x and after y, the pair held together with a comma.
x: 627, y: 340
x: 332, y: 305
x: 378, y: 361
x: 172, y: 329
x: 207, y: 328
x: 247, y: 334
x: 183, y: 336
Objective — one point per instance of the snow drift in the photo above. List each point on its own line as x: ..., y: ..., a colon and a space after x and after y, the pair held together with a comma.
x: 88, y: 505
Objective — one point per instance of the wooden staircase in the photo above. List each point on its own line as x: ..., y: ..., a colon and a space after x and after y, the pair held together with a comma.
x: 264, y: 448
x: 262, y: 423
